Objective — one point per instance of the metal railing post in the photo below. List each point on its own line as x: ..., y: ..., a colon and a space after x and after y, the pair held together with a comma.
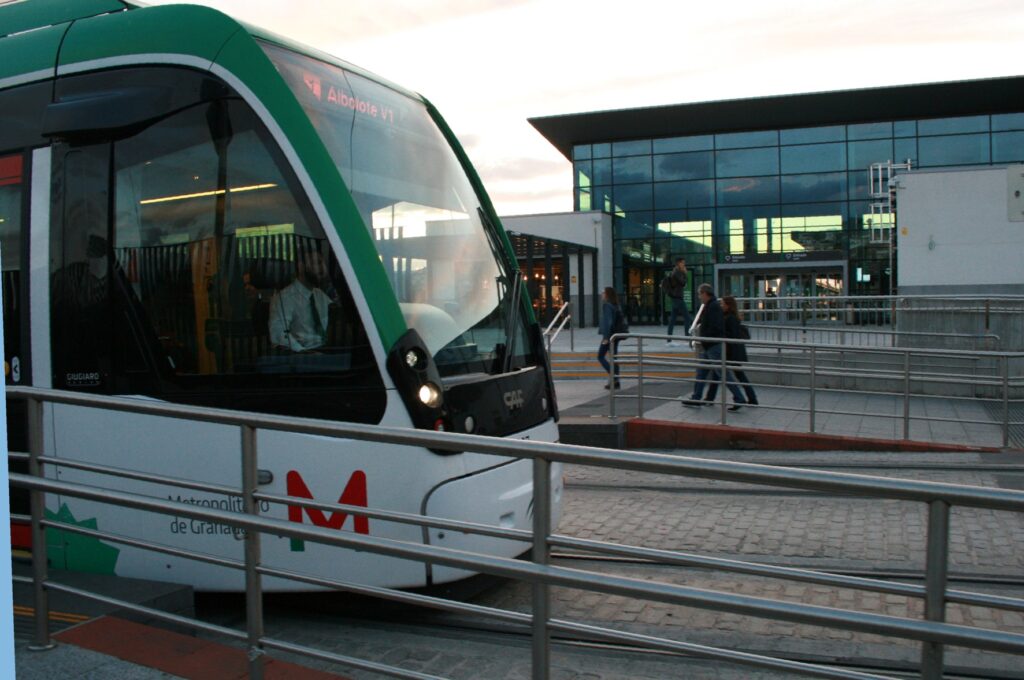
x: 1006, y: 400
x: 611, y: 377
x: 41, y: 640
x: 253, y: 580
x: 640, y: 377
x: 814, y: 368
x: 936, y: 570
x: 906, y: 394
x: 572, y: 336
x: 722, y: 384
x: 541, y: 556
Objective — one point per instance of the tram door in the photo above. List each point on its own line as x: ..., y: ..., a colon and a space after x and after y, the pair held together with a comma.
x: 92, y: 341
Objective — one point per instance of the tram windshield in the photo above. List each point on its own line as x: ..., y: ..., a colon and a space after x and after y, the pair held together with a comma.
x: 444, y: 260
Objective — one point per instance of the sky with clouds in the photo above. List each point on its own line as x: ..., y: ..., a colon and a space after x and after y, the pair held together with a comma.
x: 488, y: 65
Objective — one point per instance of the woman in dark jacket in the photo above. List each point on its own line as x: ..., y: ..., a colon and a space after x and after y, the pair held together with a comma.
x: 735, y: 353
x: 610, y: 315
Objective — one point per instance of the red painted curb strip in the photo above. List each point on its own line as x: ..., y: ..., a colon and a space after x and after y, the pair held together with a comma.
x: 177, y: 654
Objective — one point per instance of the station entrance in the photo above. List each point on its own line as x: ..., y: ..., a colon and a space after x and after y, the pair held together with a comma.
x: 774, y: 284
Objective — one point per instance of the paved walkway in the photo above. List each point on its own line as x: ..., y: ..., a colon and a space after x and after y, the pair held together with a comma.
x: 942, y: 419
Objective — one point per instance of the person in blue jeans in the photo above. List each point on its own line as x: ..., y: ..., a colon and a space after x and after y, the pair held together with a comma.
x: 711, y: 324
x: 674, y: 286
x: 612, y: 322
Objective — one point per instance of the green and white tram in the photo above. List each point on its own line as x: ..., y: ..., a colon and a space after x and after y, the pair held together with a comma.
x: 197, y: 211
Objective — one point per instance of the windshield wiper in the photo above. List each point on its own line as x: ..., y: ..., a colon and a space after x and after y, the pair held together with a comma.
x: 513, y: 322
x: 513, y: 292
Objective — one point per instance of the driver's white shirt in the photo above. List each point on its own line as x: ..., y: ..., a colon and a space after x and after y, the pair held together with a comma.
x: 291, y: 317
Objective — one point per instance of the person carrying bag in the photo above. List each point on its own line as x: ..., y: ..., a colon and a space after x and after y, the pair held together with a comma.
x: 735, y: 353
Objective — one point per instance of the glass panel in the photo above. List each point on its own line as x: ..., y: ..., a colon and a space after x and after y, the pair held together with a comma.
x: 583, y: 200
x: 674, y: 144
x: 863, y: 154
x: 584, y: 171
x: 602, y: 151
x: 1008, y: 121
x: 869, y: 131
x: 818, y: 187
x: 735, y: 237
x: 449, y: 273
x: 859, y: 185
x: 602, y: 199
x: 832, y: 133
x: 581, y: 152
x: 631, y: 169
x: 235, y: 275
x: 747, y: 191
x: 684, y: 194
x: 905, y: 149
x: 904, y: 128
x: 633, y: 197
x: 633, y: 148
x: 950, y: 126
x: 698, y: 165
x: 687, y: 236
x: 737, y: 140
x: 807, y: 233
x: 813, y: 158
x: 747, y: 162
x: 1008, y: 147
x: 603, y: 171
x: 953, y: 150
x: 11, y: 197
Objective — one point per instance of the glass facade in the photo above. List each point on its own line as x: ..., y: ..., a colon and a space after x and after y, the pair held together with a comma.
x: 751, y: 200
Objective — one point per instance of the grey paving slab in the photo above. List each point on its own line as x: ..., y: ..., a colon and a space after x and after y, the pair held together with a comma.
x: 69, y: 661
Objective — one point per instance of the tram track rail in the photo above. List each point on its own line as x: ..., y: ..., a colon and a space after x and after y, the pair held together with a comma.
x: 430, y: 623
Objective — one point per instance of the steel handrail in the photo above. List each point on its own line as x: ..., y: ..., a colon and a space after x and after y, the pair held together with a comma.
x: 562, y: 576
x: 723, y: 367
x: 561, y: 310
x: 940, y: 497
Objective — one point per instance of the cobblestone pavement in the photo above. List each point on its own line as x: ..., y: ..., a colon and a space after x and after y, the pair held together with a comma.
x: 728, y: 520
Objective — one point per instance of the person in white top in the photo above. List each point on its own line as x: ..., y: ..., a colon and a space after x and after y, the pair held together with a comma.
x: 299, y: 311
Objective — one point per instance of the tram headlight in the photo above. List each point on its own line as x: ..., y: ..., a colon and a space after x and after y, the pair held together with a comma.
x: 430, y: 395
x: 469, y: 424
x: 413, y: 359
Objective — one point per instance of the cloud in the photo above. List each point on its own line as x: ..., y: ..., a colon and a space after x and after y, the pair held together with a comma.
x: 522, y: 168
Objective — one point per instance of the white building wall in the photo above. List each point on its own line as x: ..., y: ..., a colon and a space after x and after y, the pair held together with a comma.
x: 955, y: 234
x: 592, y: 229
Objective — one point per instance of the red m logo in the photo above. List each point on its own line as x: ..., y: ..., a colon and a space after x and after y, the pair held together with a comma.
x: 353, y: 494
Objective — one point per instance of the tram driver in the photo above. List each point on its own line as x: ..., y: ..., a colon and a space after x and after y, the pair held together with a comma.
x: 299, y: 312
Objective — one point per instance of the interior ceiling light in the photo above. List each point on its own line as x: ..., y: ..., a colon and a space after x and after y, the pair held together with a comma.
x: 204, y: 194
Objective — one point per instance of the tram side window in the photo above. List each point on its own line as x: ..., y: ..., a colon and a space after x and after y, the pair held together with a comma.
x: 223, y: 259
x: 11, y: 199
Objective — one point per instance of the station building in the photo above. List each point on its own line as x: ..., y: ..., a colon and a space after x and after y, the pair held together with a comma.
x: 767, y: 196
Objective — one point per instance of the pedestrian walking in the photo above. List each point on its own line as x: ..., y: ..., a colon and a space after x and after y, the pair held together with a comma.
x: 735, y: 353
x: 710, y: 324
x: 674, y: 286
x: 612, y: 321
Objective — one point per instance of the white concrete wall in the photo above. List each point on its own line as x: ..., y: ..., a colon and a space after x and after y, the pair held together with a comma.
x: 592, y: 229
x: 954, y: 232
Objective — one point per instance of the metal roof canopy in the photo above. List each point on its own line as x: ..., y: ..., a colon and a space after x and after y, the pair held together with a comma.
x: 902, y: 102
